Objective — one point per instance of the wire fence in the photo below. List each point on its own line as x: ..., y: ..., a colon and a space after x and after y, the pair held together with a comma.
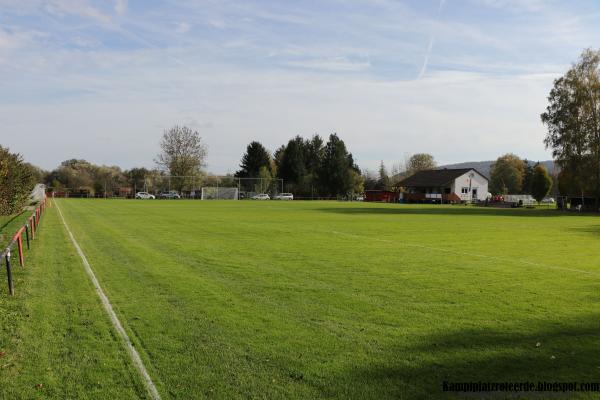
x: 28, y: 231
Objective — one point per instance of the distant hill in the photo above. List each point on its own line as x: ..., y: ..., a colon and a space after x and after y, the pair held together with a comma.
x: 485, y: 166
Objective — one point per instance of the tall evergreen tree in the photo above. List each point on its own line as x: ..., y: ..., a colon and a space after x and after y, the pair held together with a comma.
x: 353, y: 165
x: 293, y: 166
x: 383, y: 183
x: 278, y: 156
x: 313, y: 158
x: 335, y: 173
x: 314, y: 150
x: 256, y: 156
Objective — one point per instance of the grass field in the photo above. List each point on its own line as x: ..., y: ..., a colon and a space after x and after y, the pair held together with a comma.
x: 302, y: 300
x: 9, y: 224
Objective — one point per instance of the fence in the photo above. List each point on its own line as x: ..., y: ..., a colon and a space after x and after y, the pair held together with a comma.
x: 30, y: 229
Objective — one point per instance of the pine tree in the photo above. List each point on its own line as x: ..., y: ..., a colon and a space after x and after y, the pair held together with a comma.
x: 293, y: 166
x: 256, y: 156
x: 383, y: 183
x: 334, y: 175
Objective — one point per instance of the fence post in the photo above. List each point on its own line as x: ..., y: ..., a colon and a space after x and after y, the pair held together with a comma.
x: 11, y: 290
x: 27, y: 235
x: 20, y: 247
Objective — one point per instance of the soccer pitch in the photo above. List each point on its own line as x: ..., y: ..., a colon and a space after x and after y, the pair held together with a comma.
x: 245, y: 299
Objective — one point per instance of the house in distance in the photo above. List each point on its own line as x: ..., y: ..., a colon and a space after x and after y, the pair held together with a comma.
x: 461, y: 185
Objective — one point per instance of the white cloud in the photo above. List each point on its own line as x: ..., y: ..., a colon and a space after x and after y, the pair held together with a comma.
x: 217, y: 23
x: 13, y: 40
x: 517, y: 5
x: 182, y: 27
x: 333, y: 64
x: 76, y: 7
x: 120, y: 7
x: 8, y: 41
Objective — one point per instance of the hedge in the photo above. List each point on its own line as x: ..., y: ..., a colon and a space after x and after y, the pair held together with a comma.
x: 16, y: 182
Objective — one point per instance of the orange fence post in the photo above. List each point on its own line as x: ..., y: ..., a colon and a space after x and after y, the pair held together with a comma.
x: 19, y: 239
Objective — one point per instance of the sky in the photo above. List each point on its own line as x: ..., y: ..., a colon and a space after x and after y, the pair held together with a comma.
x: 464, y: 80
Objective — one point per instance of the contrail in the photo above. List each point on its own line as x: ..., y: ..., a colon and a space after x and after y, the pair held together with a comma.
x: 431, y: 41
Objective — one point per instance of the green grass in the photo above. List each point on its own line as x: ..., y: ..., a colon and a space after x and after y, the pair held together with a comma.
x: 306, y: 299
x: 9, y: 224
x: 55, y: 341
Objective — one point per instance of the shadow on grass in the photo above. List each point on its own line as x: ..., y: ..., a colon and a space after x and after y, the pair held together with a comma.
x: 8, y: 222
x: 458, y: 210
x: 563, y: 352
x: 591, y: 229
x: 6, y: 234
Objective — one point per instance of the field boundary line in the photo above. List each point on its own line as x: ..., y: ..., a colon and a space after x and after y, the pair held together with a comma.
x: 463, y: 253
x: 133, y: 354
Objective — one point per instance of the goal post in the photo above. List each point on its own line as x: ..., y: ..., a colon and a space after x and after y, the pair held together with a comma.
x: 219, y: 193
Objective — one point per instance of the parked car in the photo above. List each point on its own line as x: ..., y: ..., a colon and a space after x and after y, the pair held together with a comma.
x: 144, y: 195
x: 170, y: 195
x: 284, y: 196
x: 262, y: 196
x: 548, y: 200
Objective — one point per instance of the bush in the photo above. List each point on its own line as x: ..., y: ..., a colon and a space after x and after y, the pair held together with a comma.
x: 541, y: 183
x: 16, y: 182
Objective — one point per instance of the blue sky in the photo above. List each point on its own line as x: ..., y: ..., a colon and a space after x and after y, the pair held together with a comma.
x: 463, y: 80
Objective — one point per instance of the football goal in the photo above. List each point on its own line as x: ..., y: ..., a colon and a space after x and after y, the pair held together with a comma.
x: 219, y: 193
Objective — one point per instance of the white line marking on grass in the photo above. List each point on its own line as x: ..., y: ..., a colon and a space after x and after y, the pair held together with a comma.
x: 462, y: 253
x: 133, y: 354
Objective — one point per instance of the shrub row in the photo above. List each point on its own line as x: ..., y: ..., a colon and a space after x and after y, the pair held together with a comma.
x: 16, y: 182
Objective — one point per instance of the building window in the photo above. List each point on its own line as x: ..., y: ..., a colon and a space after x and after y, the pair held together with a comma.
x: 465, y: 190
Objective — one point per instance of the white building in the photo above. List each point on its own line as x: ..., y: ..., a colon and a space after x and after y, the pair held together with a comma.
x: 445, y: 185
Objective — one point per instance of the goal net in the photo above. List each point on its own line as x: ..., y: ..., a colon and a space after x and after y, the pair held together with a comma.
x: 219, y: 193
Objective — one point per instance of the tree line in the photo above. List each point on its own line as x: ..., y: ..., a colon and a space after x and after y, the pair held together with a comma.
x: 305, y: 167
x: 512, y: 175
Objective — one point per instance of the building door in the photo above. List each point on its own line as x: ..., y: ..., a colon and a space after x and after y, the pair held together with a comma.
x: 474, y: 194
